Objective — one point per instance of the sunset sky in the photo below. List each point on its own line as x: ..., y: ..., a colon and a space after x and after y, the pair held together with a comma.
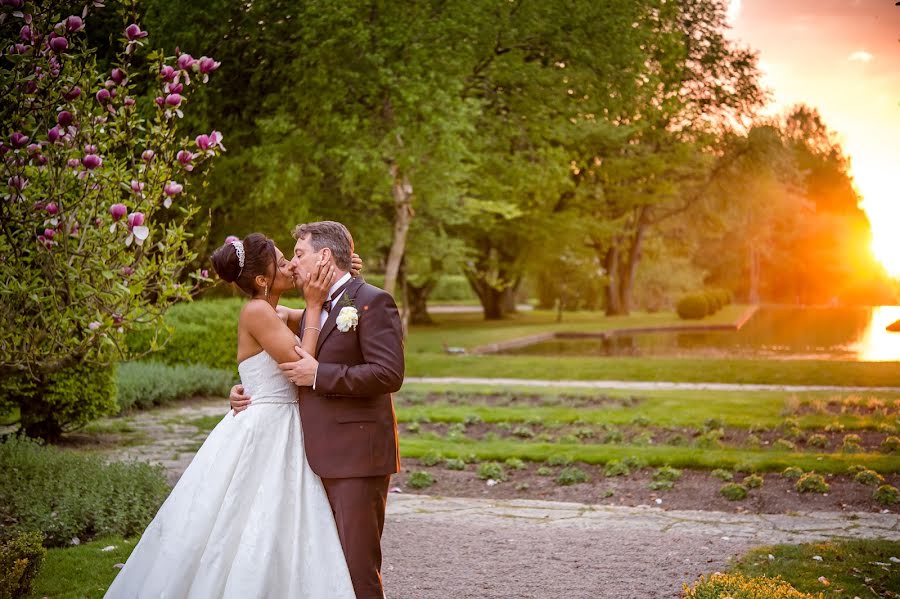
x: 843, y: 57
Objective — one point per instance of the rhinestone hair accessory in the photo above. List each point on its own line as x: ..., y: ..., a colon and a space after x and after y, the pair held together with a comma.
x: 239, y: 249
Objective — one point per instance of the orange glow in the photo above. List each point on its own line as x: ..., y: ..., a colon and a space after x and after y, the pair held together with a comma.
x: 878, y: 344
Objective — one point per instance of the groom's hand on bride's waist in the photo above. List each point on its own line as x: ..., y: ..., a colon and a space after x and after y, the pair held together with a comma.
x: 239, y: 401
x: 302, y: 372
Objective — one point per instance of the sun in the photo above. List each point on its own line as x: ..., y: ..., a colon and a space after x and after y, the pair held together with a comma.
x: 878, y: 187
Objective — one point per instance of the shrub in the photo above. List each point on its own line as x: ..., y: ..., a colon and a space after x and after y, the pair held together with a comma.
x: 711, y: 439
x: 733, y: 491
x: 693, y: 307
x: 569, y: 439
x: 812, y: 483
x: 851, y: 444
x: 523, y: 432
x: 143, y: 385
x: 471, y: 419
x: 792, y: 472
x: 613, y: 437
x: 890, y: 445
x: 454, y: 464
x: 21, y: 558
x: 640, y: 421
x: 868, y: 477
x: 634, y: 462
x: 722, y: 474
x: 420, y: 480
x: 571, y: 475
x: 661, y: 485
x: 752, y: 441
x: 64, y: 400
x: 667, y: 473
x: 886, y: 495
x: 738, y: 586
x: 544, y: 471
x: 431, y: 458
x: 784, y: 445
x: 413, y: 427
x: 491, y: 470
x: 678, y: 440
x: 645, y: 438
x: 817, y: 440
x: 754, y: 481
x: 65, y: 495
x: 584, y: 433
x: 559, y: 460
x: 515, y: 464
x: 616, y: 468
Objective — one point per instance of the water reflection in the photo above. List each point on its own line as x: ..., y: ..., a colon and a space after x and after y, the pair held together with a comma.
x: 774, y: 332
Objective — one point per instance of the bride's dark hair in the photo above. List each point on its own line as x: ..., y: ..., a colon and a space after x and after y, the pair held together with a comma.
x: 259, y: 259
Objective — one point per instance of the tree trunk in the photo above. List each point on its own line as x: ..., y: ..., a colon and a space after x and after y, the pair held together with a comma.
x: 629, y: 270
x: 509, y: 297
x: 753, y: 295
x: 611, y: 264
x: 417, y: 301
x: 492, y: 299
x: 403, y: 215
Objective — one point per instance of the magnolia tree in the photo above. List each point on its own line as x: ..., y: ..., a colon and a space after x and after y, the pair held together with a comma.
x: 97, y: 198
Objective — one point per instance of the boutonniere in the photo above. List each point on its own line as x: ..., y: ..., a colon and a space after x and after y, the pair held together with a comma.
x: 348, y: 317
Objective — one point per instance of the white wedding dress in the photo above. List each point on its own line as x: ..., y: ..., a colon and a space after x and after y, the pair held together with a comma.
x: 249, y: 518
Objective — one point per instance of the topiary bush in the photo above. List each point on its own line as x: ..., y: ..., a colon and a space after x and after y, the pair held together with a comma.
x: 868, y: 477
x: 514, y: 464
x: 733, y: 491
x: 753, y: 481
x: 792, y: 472
x: 890, y: 445
x: 738, y: 586
x: 65, y: 495
x: 693, y: 307
x: 491, y: 471
x: 812, y: 483
x: 722, y: 474
x: 454, y: 464
x: 431, y: 458
x: 571, y: 475
x: 420, y: 480
x: 616, y: 468
x: 21, y: 557
x: 887, y: 495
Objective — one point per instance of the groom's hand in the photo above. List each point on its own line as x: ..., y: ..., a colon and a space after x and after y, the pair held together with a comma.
x: 239, y: 401
x: 302, y: 372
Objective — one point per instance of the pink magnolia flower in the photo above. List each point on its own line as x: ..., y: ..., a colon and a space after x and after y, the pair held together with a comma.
x: 103, y: 95
x: 118, y: 211
x: 185, y: 62
x: 174, y: 88
x: 133, y: 32
x: 59, y: 44
x: 173, y: 100
x: 185, y: 158
x: 25, y: 33
x: 73, y: 163
x: 215, y: 139
x: 72, y: 93
x: 137, y: 186
x: 208, y: 65
x: 118, y: 76
x: 49, y: 233
x: 173, y: 189
x: 147, y: 155
x: 64, y: 118
x: 160, y: 100
x: 91, y: 161
x: 129, y: 101
x: 90, y: 149
x: 204, y: 273
x: 135, y: 219
x: 94, y: 325
x: 202, y: 142
x: 17, y: 182
x: 74, y: 23
x: 232, y: 238
x: 127, y: 271
x: 52, y: 209
x: 33, y: 148
x: 167, y: 73
x: 41, y: 160
x: 18, y: 140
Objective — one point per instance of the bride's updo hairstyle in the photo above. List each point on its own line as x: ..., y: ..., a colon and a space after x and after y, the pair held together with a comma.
x: 259, y: 259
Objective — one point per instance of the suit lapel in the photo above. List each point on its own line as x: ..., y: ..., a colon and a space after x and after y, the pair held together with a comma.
x: 331, y: 321
x: 302, y: 326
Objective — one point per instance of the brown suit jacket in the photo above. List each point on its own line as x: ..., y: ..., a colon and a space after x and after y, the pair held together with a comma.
x: 349, y: 425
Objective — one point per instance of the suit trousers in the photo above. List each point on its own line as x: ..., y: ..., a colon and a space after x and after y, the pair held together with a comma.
x: 358, y: 505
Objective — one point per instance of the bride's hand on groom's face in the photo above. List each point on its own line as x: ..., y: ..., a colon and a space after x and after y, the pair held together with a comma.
x: 317, y: 284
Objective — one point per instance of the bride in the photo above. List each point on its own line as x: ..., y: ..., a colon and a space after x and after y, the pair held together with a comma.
x: 249, y: 518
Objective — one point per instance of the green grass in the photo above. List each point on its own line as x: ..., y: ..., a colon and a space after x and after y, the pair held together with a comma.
x: 82, y: 572
x: 205, y: 423
x: 849, y: 566
x: 678, y: 457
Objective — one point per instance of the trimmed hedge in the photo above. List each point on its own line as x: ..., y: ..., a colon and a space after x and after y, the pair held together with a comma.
x: 144, y: 385
x: 697, y: 305
x: 63, y: 494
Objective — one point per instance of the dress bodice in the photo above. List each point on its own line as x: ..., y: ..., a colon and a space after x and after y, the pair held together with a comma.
x: 264, y: 381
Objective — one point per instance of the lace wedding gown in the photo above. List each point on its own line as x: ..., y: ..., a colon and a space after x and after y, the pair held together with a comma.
x: 249, y: 518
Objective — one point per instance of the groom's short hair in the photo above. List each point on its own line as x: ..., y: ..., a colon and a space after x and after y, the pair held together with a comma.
x: 328, y: 234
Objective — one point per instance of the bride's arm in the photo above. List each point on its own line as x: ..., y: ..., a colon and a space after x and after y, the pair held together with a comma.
x: 315, y: 292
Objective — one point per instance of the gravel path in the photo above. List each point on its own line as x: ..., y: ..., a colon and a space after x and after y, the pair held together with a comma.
x: 451, y: 547
x: 639, y: 385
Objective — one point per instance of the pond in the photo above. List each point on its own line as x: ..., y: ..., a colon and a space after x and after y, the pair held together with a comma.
x: 774, y: 332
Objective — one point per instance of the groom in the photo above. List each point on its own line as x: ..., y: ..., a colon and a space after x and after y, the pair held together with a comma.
x: 349, y: 426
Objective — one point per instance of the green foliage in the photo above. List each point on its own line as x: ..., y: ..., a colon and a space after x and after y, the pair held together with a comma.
x: 514, y: 464
x: 784, y: 445
x: 544, y: 471
x: 738, y: 586
x: 454, y: 464
x: 693, y: 306
x: 868, y: 477
x: 63, y: 400
x: 817, y: 440
x: 890, y: 445
x: 420, y: 480
x: 887, y: 495
x: 21, y: 557
x: 143, y: 385
x: 792, y: 472
x: 559, y: 460
x: 64, y: 495
x: 811, y: 483
x: 754, y: 481
x: 616, y: 468
x: 491, y: 471
x: 733, y: 491
x: 571, y: 475
x: 432, y: 458
x: 523, y: 432
x: 76, y: 277
x: 722, y: 474
x: 667, y: 473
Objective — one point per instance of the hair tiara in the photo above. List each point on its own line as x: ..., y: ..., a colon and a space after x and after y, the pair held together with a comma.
x: 239, y: 249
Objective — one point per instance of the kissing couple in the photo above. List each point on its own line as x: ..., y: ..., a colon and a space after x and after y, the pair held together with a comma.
x: 286, y: 497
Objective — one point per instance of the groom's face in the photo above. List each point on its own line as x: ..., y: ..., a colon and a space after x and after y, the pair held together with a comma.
x: 305, y: 258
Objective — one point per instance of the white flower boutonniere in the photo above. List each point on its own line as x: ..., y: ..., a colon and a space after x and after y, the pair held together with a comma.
x: 347, y: 319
